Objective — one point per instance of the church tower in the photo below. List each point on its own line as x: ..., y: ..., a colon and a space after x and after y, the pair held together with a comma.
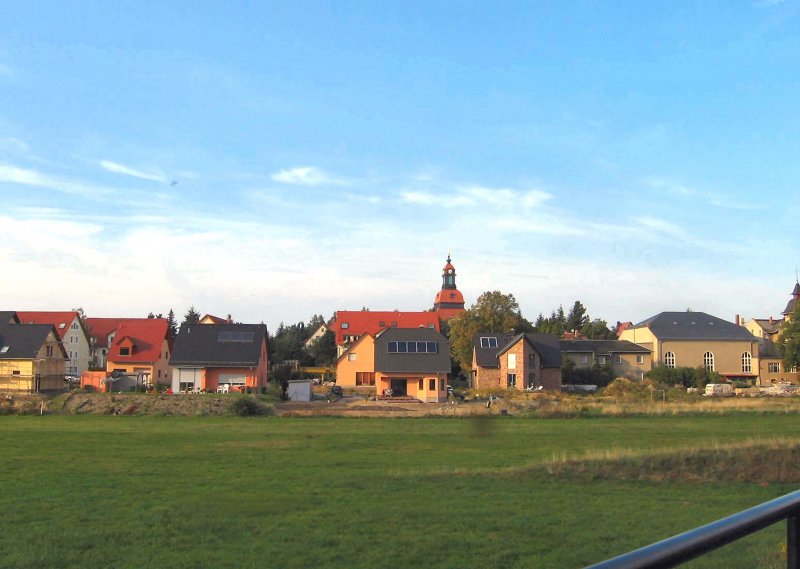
x: 449, y: 301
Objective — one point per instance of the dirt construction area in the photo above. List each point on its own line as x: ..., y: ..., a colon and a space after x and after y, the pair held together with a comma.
x: 80, y: 403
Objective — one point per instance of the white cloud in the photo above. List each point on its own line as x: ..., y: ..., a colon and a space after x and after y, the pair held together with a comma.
x: 306, y: 176
x: 117, y: 168
x: 424, y: 198
x: 478, y: 196
x: 26, y: 177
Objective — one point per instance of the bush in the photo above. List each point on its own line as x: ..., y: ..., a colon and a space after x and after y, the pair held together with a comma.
x: 245, y: 407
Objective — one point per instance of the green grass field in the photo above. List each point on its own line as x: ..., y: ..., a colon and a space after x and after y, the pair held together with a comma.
x: 98, y: 491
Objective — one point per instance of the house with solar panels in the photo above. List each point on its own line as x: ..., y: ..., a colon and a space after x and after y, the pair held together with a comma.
x: 220, y: 358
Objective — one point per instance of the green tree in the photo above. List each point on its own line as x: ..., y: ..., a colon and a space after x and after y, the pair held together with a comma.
x: 323, y: 351
x: 789, y: 339
x: 492, y: 312
x: 598, y: 329
x: 173, y: 324
x: 192, y: 316
x: 577, y: 317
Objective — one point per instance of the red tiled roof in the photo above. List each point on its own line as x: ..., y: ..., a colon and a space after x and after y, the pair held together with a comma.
x: 449, y: 295
x: 54, y: 318
x: 361, y: 322
x: 100, y: 328
x: 147, y: 336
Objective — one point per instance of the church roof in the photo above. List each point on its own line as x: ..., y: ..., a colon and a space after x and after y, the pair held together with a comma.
x: 693, y: 326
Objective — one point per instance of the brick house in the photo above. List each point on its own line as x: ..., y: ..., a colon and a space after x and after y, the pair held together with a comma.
x: 503, y: 361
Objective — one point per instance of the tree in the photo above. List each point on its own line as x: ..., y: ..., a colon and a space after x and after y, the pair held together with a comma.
x: 790, y: 339
x: 192, y: 316
x: 173, y: 325
x: 323, y: 351
x: 577, y: 317
x: 598, y: 329
x: 492, y: 312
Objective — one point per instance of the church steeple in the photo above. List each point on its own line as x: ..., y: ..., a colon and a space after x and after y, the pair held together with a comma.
x: 449, y: 275
x: 449, y: 301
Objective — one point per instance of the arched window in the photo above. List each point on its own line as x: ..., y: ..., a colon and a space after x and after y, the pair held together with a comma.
x: 746, y: 362
x: 708, y: 361
x: 669, y: 359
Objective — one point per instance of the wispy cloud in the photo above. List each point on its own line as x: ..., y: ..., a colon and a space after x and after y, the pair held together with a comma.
x: 117, y: 168
x: 715, y: 199
x: 12, y: 144
x: 478, y: 196
x: 307, y: 176
x: 27, y: 177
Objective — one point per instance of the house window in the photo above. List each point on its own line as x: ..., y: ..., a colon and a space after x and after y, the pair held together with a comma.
x: 602, y: 360
x: 511, y: 379
x: 746, y: 362
x: 4, y: 349
x: 432, y: 385
x: 441, y: 385
x: 669, y: 359
x: 345, y: 325
x: 618, y: 359
x: 487, y: 342
x: 15, y: 372
x: 512, y: 361
x: 531, y: 379
x: 74, y: 325
x: 381, y: 323
x: 708, y: 361
x: 640, y: 359
x: 774, y: 367
x: 412, y: 347
x: 421, y: 384
x: 585, y: 359
x: 351, y: 357
x: 124, y: 351
x: 365, y: 378
x: 49, y: 351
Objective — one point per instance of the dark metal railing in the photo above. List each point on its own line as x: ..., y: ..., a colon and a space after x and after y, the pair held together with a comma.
x: 699, y: 541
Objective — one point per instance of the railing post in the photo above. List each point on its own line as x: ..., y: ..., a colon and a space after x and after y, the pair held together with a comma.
x: 792, y: 542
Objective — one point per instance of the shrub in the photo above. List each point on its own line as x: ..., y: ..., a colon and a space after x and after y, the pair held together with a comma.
x: 245, y: 407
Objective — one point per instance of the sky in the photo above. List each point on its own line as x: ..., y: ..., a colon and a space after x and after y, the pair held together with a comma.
x: 273, y: 161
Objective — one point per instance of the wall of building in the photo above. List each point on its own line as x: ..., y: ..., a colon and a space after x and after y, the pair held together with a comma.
x: 364, y: 353
x: 417, y: 385
x: 727, y: 355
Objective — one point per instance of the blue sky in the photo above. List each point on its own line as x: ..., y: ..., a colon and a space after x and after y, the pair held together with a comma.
x: 276, y: 161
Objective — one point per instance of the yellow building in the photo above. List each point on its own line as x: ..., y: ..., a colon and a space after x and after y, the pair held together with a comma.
x: 697, y: 339
x: 32, y: 358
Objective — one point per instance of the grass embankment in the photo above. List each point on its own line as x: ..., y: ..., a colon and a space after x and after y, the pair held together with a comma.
x: 95, y: 491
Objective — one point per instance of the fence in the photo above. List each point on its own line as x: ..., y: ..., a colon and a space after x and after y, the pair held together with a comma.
x: 699, y: 541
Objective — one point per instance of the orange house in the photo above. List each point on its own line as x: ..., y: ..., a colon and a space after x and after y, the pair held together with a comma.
x: 222, y: 357
x: 140, y: 350
x: 398, y: 362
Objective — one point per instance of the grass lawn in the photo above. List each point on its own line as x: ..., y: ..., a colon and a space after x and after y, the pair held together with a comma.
x: 99, y: 491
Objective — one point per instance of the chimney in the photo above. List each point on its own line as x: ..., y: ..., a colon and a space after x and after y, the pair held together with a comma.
x: 738, y: 322
x: 771, y: 321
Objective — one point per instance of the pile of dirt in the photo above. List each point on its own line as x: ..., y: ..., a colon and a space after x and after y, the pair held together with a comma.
x: 22, y: 404
x: 78, y: 403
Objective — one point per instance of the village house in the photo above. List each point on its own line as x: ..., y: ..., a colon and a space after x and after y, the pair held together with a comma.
x: 73, y: 333
x: 32, y: 356
x: 350, y: 325
x: 521, y: 361
x: 137, y: 355
x: 398, y: 362
x: 625, y: 359
x: 222, y: 358
x: 697, y: 339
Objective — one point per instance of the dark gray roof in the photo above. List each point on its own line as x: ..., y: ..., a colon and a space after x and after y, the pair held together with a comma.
x: 767, y: 349
x: 411, y: 363
x: 603, y: 347
x: 767, y: 326
x: 790, y: 306
x: 547, y: 345
x: 487, y: 357
x: 8, y: 316
x: 694, y: 326
x: 218, y: 345
x: 24, y: 340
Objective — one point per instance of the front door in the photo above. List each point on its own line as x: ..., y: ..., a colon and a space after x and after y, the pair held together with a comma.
x: 399, y: 388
